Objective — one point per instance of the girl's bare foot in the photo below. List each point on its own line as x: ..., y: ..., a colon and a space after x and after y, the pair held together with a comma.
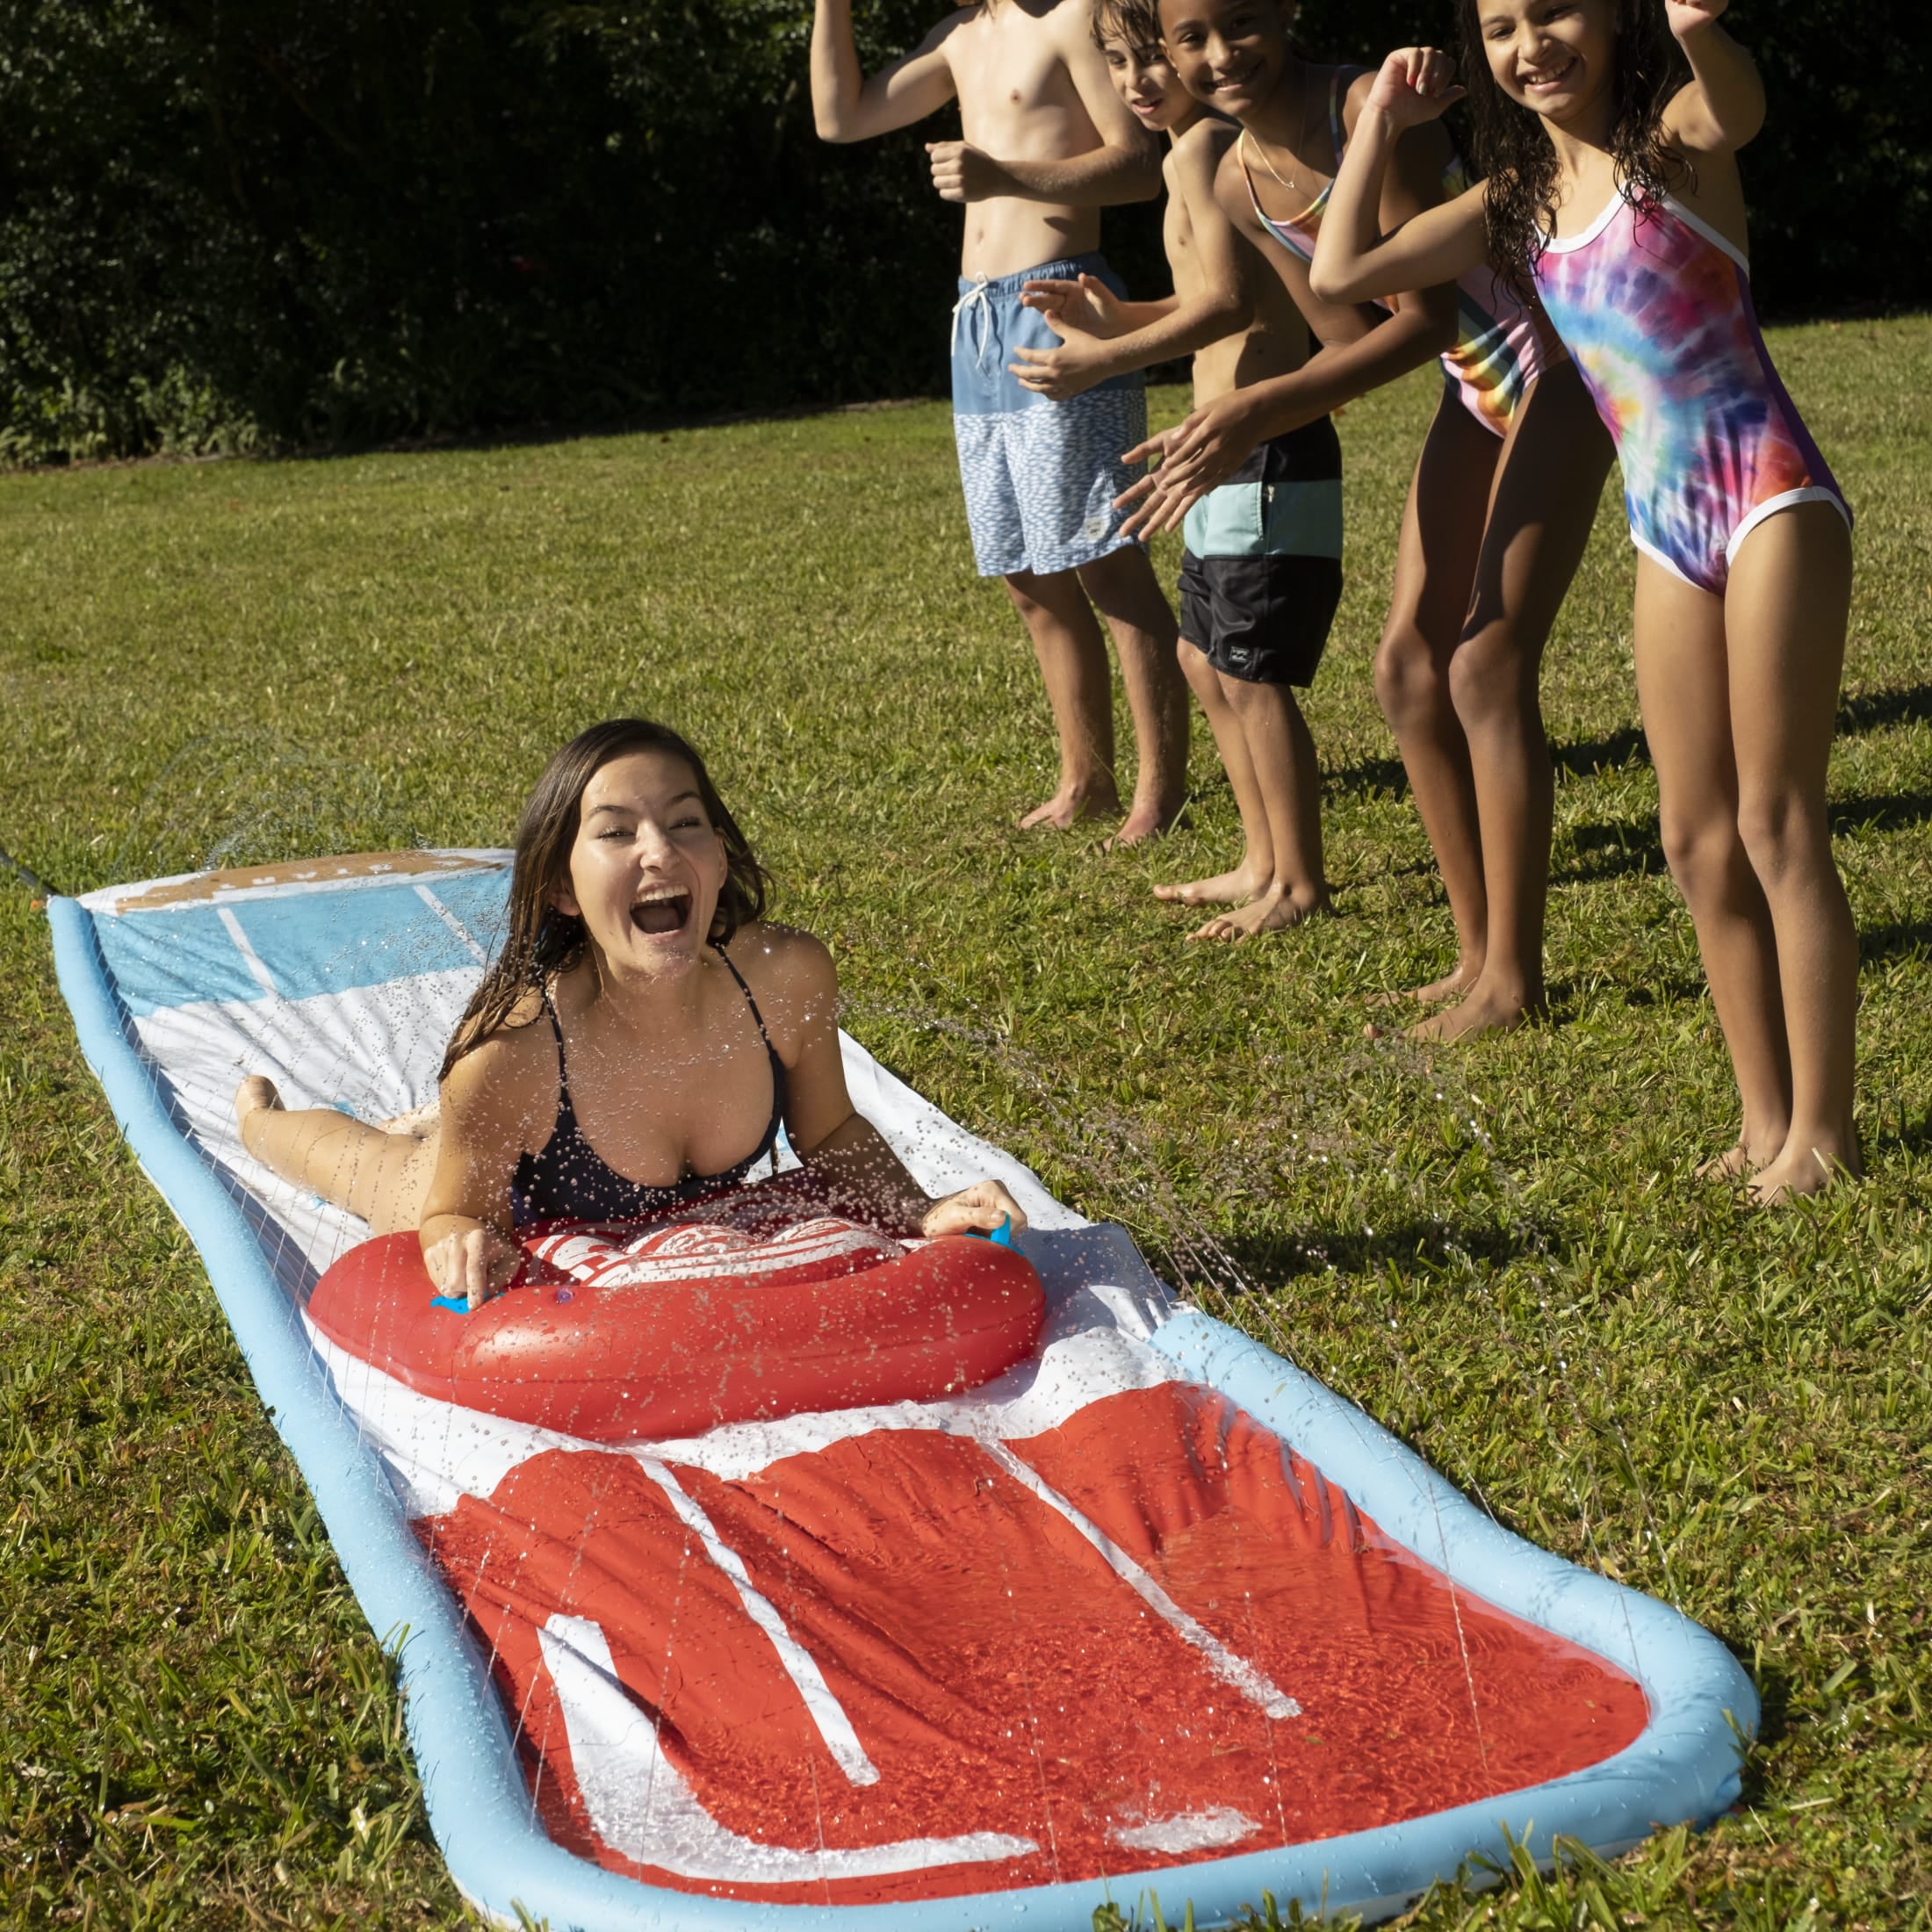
x: 1807, y: 1165
x: 1483, y: 1012
x: 1224, y: 889
x: 1271, y: 911
x: 1070, y: 805
x: 1733, y: 1163
x: 256, y: 1095
x: 1434, y: 993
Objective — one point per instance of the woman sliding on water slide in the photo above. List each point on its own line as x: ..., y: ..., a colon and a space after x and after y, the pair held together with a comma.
x: 664, y: 1057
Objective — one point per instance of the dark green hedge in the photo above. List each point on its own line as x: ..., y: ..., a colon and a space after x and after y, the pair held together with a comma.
x: 275, y: 223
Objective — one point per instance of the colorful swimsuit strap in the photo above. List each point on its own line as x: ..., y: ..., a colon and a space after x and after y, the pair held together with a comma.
x: 1289, y: 233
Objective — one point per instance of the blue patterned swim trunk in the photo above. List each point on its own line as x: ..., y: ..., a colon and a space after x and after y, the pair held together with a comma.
x: 1040, y: 476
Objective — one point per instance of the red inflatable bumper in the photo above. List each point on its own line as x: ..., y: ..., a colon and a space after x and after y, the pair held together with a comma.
x: 626, y: 1334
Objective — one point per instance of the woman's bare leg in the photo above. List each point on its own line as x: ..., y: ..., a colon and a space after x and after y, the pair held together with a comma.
x: 1543, y: 502
x: 1435, y: 571
x: 379, y: 1177
x: 1785, y: 607
x: 1683, y: 686
x: 1256, y: 865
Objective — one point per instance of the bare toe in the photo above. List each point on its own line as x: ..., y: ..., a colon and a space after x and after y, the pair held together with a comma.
x: 1733, y: 1163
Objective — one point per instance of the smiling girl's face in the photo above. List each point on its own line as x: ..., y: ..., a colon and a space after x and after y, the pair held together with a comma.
x: 647, y: 866
x: 1228, y: 54
x: 1555, y: 57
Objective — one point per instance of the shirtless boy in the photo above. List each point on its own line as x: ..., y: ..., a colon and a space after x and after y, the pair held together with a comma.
x: 1261, y: 575
x: 1047, y: 145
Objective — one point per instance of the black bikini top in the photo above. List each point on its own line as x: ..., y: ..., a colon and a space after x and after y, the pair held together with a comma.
x: 569, y: 1181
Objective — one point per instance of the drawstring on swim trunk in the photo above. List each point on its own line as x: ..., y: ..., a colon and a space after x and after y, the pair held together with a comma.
x: 975, y: 298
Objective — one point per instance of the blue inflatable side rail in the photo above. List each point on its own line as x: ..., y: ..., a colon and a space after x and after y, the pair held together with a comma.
x: 1684, y: 1767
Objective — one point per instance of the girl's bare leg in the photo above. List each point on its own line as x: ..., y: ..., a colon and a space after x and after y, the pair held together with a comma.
x: 1684, y: 688
x: 1544, y: 500
x: 1785, y: 607
x: 1435, y: 569
x: 378, y: 1176
x: 1256, y: 865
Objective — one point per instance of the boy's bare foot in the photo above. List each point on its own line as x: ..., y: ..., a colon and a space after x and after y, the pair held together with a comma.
x: 1069, y: 807
x: 1145, y: 822
x: 1804, y: 1168
x: 1481, y: 1013
x: 256, y: 1094
x: 1224, y: 889
x: 1271, y: 911
x: 1434, y: 993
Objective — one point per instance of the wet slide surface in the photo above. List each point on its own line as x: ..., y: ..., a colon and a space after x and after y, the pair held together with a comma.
x: 1150, y: 1602
x: 1024, y: 1714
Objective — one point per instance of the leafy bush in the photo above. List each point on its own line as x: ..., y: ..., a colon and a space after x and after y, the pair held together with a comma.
x: 315, y: 222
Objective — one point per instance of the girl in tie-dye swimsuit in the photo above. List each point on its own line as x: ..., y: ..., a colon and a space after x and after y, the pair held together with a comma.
x: 1744, y: 569
x: 1497, y: 516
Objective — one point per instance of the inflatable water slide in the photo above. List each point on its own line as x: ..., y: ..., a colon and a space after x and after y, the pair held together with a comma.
x: 1127, y: 1609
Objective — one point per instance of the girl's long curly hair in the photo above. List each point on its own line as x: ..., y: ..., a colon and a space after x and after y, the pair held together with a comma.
x: 1512, y: 149
x: 542, y: 941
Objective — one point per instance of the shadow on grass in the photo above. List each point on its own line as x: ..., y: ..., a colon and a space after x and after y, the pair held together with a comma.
x: 1618, y: 850
x: 1889, y: 811
x: 1874, y: 710
x: 1272, y: 1261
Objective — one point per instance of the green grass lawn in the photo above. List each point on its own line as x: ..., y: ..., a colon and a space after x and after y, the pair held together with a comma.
x: 1498, y: 1249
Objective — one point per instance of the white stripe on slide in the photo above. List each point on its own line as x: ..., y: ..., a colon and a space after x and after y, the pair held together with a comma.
x: 641, y: 1807
x: 250, y: 958
x: 834, y: 1726
x: 455, y: 925
x: 1232, y: 1670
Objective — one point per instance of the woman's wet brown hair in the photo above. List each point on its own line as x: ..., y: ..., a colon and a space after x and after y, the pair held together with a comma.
x: 542, y: 941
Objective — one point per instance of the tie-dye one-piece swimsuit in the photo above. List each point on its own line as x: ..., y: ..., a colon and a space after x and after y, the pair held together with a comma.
x: 1654, y: 306
x: 1502, y: 344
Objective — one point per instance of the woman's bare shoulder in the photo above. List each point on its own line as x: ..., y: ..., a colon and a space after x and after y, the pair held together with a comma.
x: 791, y: 975
x: 507, y: 1081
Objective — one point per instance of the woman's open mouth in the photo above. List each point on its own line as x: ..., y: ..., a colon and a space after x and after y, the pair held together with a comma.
x: 661, y: 914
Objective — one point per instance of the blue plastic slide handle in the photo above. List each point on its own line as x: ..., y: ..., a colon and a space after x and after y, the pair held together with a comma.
x: 456, y: 1304
x: 1002, y: 1234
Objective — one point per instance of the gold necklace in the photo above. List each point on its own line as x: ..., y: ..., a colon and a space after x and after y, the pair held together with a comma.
x: 1280, y: 179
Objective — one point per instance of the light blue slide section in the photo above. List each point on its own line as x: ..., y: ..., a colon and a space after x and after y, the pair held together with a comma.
x: 1684, y: 1767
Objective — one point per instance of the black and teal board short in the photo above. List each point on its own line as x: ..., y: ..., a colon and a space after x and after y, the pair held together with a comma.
x: 1261, y: 575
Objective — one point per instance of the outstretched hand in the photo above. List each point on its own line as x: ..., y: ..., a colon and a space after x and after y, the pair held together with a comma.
x: 476, y: 1264
x: 980, y: 1207
x: 961, y: 172
x: 1084, y: 307
x: 1060, y: 373
x: 1687, y: 16
x: 1196, y: 456
x: 1415, y: 84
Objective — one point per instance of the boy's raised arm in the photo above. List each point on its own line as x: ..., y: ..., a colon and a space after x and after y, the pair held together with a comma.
x: 848, y: 105
x: 1724, y: 104
x: 1125, y: 167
